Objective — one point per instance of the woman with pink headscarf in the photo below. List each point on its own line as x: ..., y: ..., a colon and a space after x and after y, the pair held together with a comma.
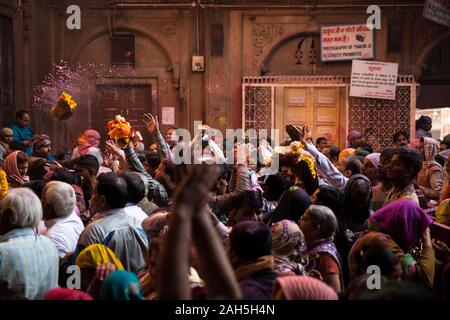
x: 88, y: 143
x: 302, y: 288
x: 16, y: 167
x: 400, y: 226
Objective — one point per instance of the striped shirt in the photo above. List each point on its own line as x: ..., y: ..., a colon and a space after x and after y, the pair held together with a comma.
x: 156, y: 191
x: 28, y: 263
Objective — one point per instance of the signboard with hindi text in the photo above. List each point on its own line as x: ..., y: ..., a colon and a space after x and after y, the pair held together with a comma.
x: 437, y: 11
x: 346, y: 42
x: 372, y: 79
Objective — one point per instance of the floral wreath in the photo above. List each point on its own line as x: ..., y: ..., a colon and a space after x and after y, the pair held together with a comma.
x: 297, y: 149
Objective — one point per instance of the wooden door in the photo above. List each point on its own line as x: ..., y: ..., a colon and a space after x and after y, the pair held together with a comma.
x: 130, y: 101
x: 322, y: 108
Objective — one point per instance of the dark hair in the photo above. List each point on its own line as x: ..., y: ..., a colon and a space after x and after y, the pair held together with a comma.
x: 366, y: 146
x: 354, y: 165
x: 250, y: 240
x: 152, y: 159
x: 250, y: 199
x: 276, y: 184
x: 113, y: 188
x: 135, y: 185
x: 16, y: 145
x: 360, y: 154
x: 36, y: 185
x: 380, y: 256
x: 334, y: 151
x: 398, y: 134
x: 440, y: 159
x: 88, y: 162
x: 65, y: 175
x: 330, y: 197
x: 36, y: 169
x: 423, y: 120
x: 320, y: 139
x: 302, y: 171
x: 388, y: 153
x: 411, y: 158
x: 21, y: 113
x: 21, y: 157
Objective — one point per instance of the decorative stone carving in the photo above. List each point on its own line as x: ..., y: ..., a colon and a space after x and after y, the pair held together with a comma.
x: 425, y: 31
x: 168, y: 30
x: 263, y: 34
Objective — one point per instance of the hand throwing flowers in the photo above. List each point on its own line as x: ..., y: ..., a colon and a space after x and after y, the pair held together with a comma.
x: 120, y: 131
x: 64, y: 108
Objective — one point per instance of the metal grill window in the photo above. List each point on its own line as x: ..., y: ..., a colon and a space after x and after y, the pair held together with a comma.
x: 123, y: 50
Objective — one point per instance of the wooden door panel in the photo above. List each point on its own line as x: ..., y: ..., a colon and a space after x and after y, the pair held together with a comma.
x: 130, y: 101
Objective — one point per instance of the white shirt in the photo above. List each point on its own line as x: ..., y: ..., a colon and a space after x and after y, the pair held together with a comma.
x: 65, y: 232
x: 326, y: 168
x: 134, y: 211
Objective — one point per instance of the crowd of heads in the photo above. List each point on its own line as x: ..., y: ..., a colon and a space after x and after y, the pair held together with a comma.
x: 310, y: 230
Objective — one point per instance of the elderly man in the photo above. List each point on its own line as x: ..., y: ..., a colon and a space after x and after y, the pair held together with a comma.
x: 113, y: 227
x: 64, y: 226
x: 28, y: 261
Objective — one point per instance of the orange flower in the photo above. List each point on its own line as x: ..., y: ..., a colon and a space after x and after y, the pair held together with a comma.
x: 120, y: 130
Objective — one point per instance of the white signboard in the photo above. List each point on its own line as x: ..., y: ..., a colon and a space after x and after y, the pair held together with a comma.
x: 346, y: 42
x: 437, y: 11
x: 372, y: 79
x: 168, y: 115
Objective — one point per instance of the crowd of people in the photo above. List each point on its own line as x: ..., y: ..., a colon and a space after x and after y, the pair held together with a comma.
x: 132, y: 224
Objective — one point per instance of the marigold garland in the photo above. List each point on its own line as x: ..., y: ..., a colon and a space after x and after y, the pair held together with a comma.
x: 120, y: 131
x: 64, y: 107
x: 297, y: 150
x: 3, y: 184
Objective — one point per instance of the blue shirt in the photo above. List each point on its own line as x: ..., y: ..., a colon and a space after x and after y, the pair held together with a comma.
x: 22, y: 134
x: 28, y: 263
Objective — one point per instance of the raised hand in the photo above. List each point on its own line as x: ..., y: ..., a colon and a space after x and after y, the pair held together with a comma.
x: 103, y: 270
x: 193, y: 191
x: 294, y: 132
x: 151, y: 123
x: 18, y: 179
x: 113, y: 148
x: 307, y: 134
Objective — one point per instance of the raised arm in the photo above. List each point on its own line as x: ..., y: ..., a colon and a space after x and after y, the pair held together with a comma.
x: 152, y: 125
x: 323, y: 164
x: 190, y: 214
x: 156, y: 190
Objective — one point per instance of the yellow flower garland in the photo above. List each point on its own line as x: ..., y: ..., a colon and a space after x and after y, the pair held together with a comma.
x: 296, y: 150
x: 3, y: 184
